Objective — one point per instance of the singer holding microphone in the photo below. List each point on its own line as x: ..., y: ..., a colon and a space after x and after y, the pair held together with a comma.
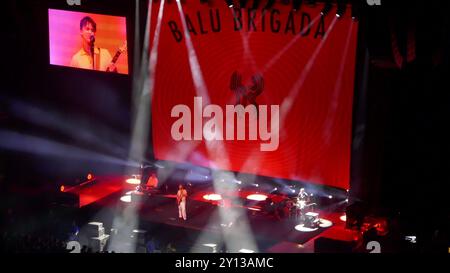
x: 90, y: 56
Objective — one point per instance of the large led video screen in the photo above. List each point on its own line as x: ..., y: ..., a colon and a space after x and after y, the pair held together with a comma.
x: 88, y: 41
x: 265, y: 91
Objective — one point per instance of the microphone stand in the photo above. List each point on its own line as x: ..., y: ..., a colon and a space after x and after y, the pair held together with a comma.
x: 92, y: 52
x: 93, y: 59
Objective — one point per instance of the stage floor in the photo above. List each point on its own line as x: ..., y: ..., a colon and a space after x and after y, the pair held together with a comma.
x: 207, y: 223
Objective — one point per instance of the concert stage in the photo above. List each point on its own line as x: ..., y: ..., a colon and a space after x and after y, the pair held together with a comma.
x: 157, y: 213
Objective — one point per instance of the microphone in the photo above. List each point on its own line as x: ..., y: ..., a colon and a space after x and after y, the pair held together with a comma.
x: 92, y: 39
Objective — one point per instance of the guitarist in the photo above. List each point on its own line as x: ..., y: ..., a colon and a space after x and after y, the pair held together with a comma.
x: 181, y: 202
x: 90, y: 56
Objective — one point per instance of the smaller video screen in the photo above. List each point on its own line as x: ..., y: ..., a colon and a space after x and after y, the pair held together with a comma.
x: 88, y: 41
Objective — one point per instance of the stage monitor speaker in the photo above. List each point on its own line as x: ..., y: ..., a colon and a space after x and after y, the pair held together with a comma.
x: 328, y: 245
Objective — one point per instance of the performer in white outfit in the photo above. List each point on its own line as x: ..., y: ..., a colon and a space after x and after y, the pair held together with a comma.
x: 181, y: 201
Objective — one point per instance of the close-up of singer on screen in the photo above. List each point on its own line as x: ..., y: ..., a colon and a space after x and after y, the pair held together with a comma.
x: 91, y: 56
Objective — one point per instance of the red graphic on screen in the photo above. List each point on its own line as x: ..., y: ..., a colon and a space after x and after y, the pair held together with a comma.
x: 300, y: 61
x: 246, y: 94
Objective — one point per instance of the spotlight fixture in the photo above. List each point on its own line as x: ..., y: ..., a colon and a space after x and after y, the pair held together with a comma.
x: 326, y: 8
x: 355, y: 10
x: 296, y: 4
x: 341, y: 7
x: 330, y: 196
x: 229, y: 3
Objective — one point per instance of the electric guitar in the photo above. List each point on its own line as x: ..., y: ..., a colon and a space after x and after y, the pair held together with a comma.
x: 121, y: 50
